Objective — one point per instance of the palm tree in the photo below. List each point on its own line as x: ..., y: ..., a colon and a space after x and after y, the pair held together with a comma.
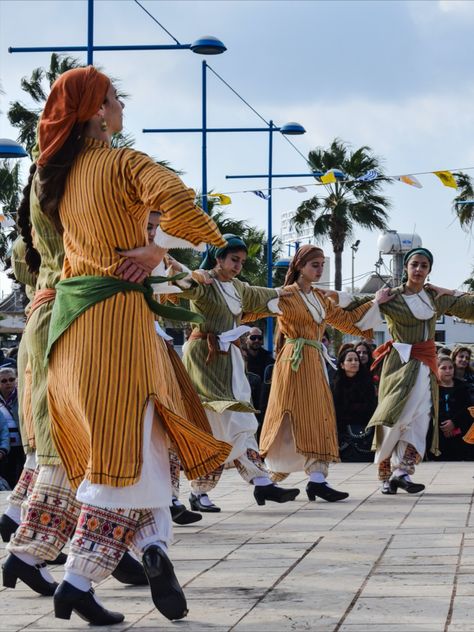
x: 463, y: 203
x: 10, y: 189
x: 346, y: 203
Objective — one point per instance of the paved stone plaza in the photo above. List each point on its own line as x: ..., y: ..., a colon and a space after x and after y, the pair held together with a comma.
x: 369, y: 564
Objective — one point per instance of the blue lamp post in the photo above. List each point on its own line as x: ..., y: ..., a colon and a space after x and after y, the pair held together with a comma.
x: 206, y: 45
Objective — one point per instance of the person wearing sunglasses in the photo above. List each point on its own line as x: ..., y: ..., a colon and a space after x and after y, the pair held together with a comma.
x: 9, y: 412
x: 258, y: 358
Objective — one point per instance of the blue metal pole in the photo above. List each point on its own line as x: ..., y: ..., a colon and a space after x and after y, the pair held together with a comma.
x: 90, y: 32
x: 269, y: 234
x: 204, y: 137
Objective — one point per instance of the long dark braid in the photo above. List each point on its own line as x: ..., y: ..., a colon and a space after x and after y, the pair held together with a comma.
x: 53, y: 176
x: 32, y: 256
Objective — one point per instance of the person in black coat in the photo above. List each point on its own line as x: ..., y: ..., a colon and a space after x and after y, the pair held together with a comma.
x: 354, y: 401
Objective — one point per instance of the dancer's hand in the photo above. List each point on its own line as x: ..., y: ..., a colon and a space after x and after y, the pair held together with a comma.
x: 448, y: 428
x: 171, y: 262
x: 440, y: 291
x: 384, y: 296
x: 202, y: 277
x: 139, y: 262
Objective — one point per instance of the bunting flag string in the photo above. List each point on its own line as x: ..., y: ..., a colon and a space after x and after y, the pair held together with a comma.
x: 447, y: 178
x: 411, y: 180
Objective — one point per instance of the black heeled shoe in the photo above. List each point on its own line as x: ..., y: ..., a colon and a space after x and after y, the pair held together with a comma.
x: 7, y: 527
x: 403, y: 483
x: 14, y: 569
x: 262, y: 493
x: 196, y: 504
x: 322, y: 490
x: 166, y: 592
x: 180, y: 515
x: 130, y: 571
x: 68, y: 598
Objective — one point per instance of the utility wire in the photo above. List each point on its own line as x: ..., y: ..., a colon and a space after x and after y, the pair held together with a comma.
x: 159, y: 24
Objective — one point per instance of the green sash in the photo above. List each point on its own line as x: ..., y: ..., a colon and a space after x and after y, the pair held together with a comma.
x: 76, y: 295
x: 297, y: 355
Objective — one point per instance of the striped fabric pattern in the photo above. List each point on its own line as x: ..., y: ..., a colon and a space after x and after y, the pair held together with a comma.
x: 305, y: 395
x: 109, y: 363
x: 213, y: 382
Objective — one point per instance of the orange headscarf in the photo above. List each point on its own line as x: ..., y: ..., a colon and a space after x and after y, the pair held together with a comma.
x: 74, y: 98
x: 305, y: 253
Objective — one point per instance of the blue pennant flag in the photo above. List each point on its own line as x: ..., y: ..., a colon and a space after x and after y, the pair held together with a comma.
x: 261, y: 194
x: 372, y: 174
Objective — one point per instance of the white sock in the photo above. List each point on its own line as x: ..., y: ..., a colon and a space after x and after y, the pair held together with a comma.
x: 13, y: 512
x: 159, y: 543
x: 32, y: 560
x: 400, y: 472
x: 176, y: 502
x: 261, y: 481
x: 317, y: 477
x: 204, y: 498
x: 78, y: 581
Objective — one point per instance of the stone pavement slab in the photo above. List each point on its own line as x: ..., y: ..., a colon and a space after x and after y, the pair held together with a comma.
x: 372, y: 563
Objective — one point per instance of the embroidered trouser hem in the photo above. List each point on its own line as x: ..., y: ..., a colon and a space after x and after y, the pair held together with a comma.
x: 51, y: 516
x: 103, y: 535
x: 408, y: 462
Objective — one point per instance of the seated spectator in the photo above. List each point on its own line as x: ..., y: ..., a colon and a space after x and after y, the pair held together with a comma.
x: 454, y: 419
x: 331, y: 371
x: 354, y: 401
x: 257, y: 357
x: 364, y: 351
x: 9, y: 412
x: 461, y: 356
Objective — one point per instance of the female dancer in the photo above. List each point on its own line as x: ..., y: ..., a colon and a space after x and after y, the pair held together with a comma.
x: 216, y: 367
x: 408, y: 394
x: 110, y: 392
x: 299, y: 431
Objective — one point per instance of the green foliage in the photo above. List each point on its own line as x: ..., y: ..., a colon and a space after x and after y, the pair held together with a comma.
x: 10, y: 189
x: 339, y: 208
x: 465, y: 191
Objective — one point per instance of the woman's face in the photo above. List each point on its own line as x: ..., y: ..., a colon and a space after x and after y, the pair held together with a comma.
x: 351, y: 364
x: 313, y: 270
x: 445, y: 372
x: 7, y: 383
x: 462, y: 360
x: 113, y: 111
x: 417, y: 269
x: 230, y: 266
x: 363, y: 354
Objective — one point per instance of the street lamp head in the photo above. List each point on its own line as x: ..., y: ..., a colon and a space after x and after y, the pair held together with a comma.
x: 11, y: 149
x: 208, y: 45
x: 292, y: 129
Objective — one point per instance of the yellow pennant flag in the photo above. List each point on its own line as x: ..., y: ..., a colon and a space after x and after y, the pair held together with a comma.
x: 447, y: 178
x: 223, y: 199
x: 328, y: 177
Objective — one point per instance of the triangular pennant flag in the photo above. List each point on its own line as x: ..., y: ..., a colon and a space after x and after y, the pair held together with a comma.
x: 328, y: 177
x: 223, y: 199
x: 372, y: 174
x: 299, y: 188
x: 261, y: 194
x: 414, y: 182
x: 447, y: 178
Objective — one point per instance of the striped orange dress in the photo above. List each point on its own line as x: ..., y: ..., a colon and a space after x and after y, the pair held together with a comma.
x: 108, y: 365
x: 303, y: 396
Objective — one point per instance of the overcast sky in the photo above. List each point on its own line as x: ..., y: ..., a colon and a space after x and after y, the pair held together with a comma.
x: 396, y: 76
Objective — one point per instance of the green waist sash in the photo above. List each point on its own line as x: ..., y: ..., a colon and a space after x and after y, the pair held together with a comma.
x: 299, y: 343
x: 76, y: 295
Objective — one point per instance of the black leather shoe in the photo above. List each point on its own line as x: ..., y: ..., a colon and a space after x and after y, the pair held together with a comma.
x: 130, y: 571
x: 262, y: 493
x: 166, y: 592
x: 60, y: 560
x: 322, y: 490
x: 402, y: 482
x: 181, y: 515
x: 195, y: 503
x: 7, y: 527
x: 388, y: 488
x: 14, y: 569
x: 68, y: 598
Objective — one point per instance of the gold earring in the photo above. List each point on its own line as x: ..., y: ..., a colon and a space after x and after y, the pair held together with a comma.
x: 103, y: 125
